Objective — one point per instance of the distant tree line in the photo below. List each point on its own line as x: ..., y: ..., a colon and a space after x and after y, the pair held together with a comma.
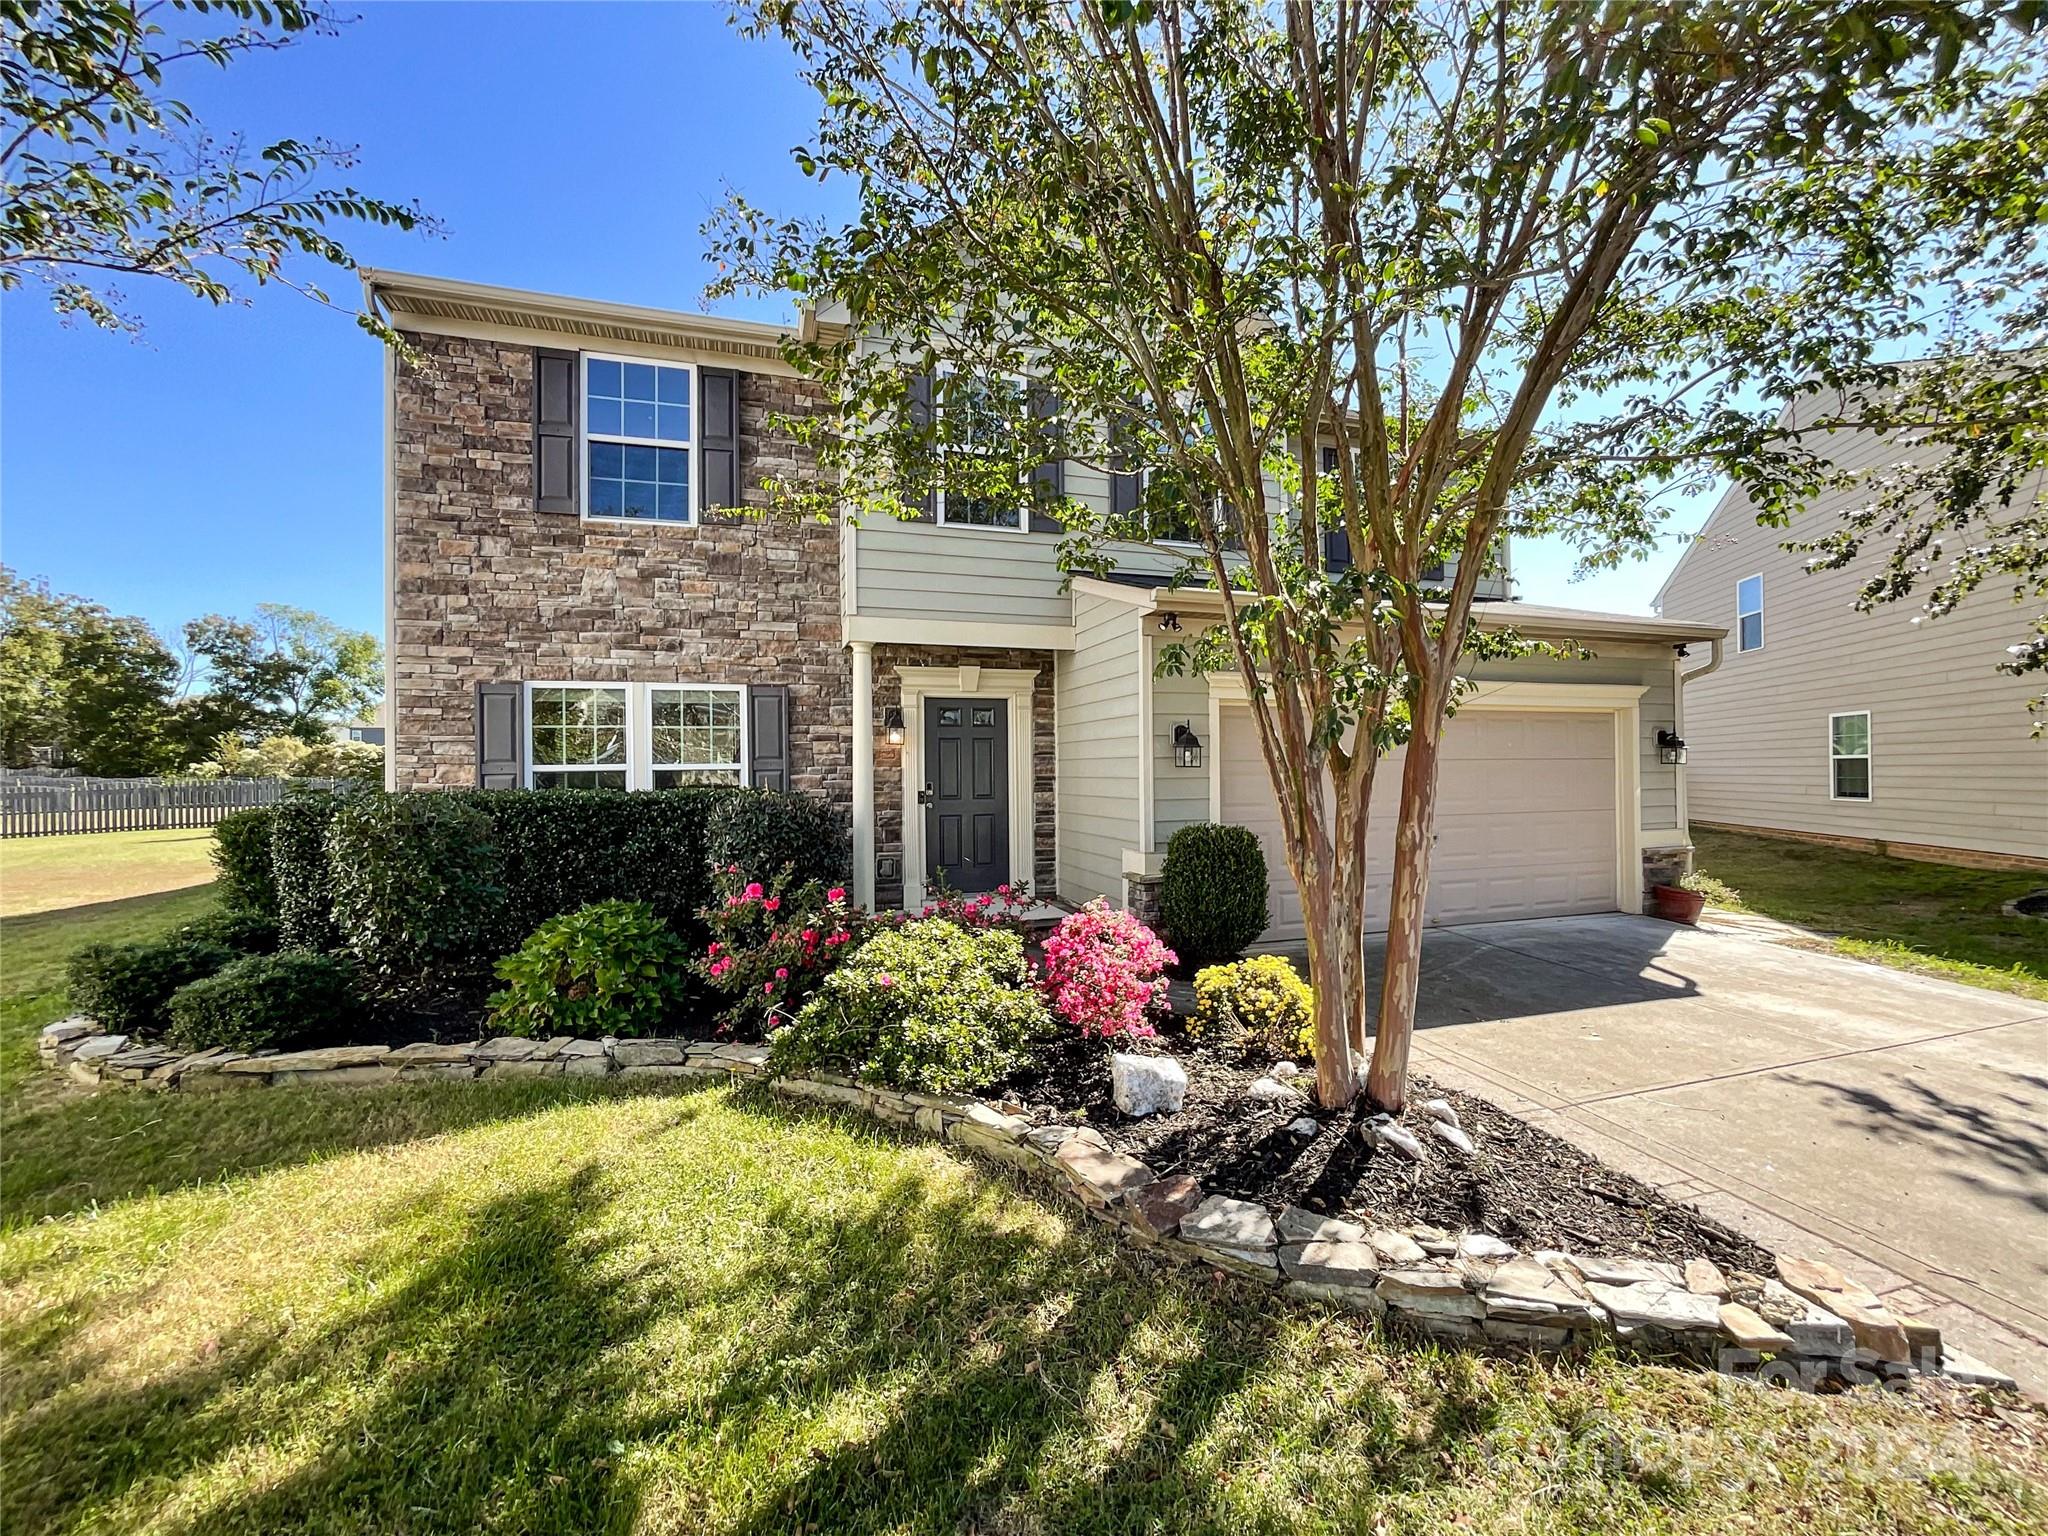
x: 87, y: 688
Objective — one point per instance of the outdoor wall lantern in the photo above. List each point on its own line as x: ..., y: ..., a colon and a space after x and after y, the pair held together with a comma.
x: 1169, y: 623
x: 1187, y: 747
x: 892, y: 725
x: 1670, y: 747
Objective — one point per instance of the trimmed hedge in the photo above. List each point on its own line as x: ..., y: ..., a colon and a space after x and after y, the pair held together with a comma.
x: 125, y: 988
x: 418, y: 883
x: 246, y: 933
x: 764, y: 832
x: 298, y: 862
x: 265, y: 1001
x: 243, y: 877
x: 1212, y: 892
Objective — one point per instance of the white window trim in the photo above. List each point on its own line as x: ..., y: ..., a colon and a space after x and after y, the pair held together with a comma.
x: 584, y: 440
x: 1741, y: 613
x: 639, y: 764
x: 1868, y: 757
x: 737, y: 690
x: 939, y: 519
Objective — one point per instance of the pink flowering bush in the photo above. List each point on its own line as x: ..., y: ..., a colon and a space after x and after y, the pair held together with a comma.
x: 1104, y: 973
x: 772, y: 946
x: 1003, y: 907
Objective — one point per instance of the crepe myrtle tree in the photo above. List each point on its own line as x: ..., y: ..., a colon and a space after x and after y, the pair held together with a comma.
x: 1332, y: 292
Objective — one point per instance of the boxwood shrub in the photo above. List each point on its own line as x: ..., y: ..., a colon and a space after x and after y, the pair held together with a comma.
x: 298, y: 863
x: 290, y: 1001
x: 1212, y: 892
x: 764, y: 832
x: 930, y: 1005
x: 419, y: 889
x: 612, y: 968
x: 246, y: 933
x: 243, y: 877
x: 125, y: 988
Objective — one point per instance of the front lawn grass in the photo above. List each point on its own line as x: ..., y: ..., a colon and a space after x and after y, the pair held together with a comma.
x: 1934, y: 918
x: 550, y: 1305
x: 43, y: 874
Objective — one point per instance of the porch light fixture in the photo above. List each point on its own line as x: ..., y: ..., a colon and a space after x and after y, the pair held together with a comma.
x: 1169, y: 623
x: 1670, y: 747
x: 892, y: 725
x: 1187, y: 747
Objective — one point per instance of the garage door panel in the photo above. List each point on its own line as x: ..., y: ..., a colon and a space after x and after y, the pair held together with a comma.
x: 1525, y: 819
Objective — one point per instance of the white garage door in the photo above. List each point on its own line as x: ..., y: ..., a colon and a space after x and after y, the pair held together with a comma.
x: 1525, y: 823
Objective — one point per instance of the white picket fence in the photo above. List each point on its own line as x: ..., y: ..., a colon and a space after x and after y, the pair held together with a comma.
x: 33, y: 805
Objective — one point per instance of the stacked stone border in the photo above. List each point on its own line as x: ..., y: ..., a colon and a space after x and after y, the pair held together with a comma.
x: 1806, y: 1325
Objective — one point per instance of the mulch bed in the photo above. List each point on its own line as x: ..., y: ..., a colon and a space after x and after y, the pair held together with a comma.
x: 1524, y: 1186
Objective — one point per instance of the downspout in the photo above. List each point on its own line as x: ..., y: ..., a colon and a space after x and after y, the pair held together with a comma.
x: 1679, y: 678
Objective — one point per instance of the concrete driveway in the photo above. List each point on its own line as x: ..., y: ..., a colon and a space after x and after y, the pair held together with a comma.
x: 1890, y: 1123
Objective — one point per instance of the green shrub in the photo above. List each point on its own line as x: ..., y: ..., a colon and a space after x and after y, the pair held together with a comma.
x: 1212, y: 892
x: 567, y: 848
x: 290, y: 1001
x: 613, y: 968
x: 419, y: 892
x: 1258, y: 1007
x: 298, y: 864
x: 763, y: 832
x: 928, y: 1005
x: 124, y: 987
x: 246, y: 933
x: 243, y: 877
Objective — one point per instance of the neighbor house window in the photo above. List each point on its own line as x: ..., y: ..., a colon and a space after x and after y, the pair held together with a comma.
x: 972, y: 417
x: 1849, y: 756
x: 695, y: 736
x: 636, y: 440
x: 1749, y: 614
x: 577, y: 736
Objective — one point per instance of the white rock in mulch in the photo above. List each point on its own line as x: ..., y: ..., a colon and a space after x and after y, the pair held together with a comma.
x: 1377, y: 1132
x: 1440, y: 1109
x: 1452, y: 1136
x: 1305, y: 1126
x: 1267, y: 1090
x: 1147, y: 1085
x: 1286, y: 1071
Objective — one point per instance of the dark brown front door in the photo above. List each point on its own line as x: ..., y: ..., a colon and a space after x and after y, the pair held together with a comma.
x: 967, y: 793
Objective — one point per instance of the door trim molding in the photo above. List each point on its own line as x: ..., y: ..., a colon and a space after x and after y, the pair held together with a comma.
x: 1013, y: 686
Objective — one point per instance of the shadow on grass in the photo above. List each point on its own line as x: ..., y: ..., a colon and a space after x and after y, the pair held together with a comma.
x: 902, y: 1358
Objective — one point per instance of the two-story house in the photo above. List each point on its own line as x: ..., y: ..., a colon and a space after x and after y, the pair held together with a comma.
x: 574, y: 601
x: 1879, y: 730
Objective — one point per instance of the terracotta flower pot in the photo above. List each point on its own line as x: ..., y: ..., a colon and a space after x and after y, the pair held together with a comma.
x: 1675, y: 904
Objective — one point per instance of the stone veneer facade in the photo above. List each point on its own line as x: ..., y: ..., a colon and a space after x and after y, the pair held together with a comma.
x: 489, y: 590
x: 1044, y: 876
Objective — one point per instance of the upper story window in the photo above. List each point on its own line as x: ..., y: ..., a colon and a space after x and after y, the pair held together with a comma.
x: 1749, y: 614
x: 1849, y: 756
x: 637, y: 430
x: 971, y: 416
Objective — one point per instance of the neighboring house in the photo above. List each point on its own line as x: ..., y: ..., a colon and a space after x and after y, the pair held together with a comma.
x: 572, y: 602
x: 1880, y: 730
x: 369, y: 733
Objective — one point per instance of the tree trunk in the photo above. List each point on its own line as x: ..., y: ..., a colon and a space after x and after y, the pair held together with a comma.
x: 1336, y: 972
x: 1386, y: 1082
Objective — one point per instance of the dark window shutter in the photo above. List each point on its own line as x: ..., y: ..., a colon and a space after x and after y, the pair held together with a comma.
x: 555, y: 388
x: 918, y: 393
x: 1336, y: 541
x: 500, y: 759
x: 1126, y: 485
x: 1048, y: 480
x: 718, y: 437
x: 768, y: 737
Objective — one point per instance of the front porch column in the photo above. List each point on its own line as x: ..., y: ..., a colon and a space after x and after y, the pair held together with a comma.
x: 864, y: 773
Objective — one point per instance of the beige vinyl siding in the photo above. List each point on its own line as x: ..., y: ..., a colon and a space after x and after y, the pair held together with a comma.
x: 1951, y: 762
x: 1179, y: 795
x: 1095, y: 695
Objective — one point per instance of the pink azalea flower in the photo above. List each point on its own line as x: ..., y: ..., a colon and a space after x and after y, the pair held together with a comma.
x: 782, y: 973
x: 836, y: 894
x: 884, y: 979
x: 768, y: 986
x: 753, y: 891
x: 772, y: 904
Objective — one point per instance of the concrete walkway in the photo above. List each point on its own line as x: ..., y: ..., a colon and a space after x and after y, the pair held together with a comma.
x: 1890, y: 1123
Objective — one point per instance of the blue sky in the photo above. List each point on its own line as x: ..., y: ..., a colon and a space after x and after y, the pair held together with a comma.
x: 230, y: 457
